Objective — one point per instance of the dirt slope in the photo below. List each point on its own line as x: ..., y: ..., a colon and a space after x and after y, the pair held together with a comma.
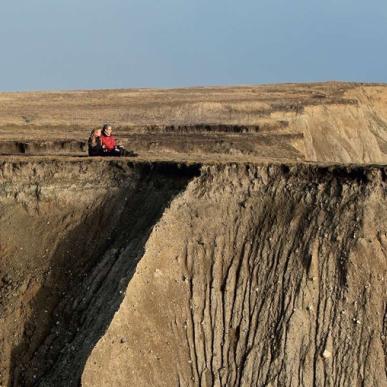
x: 284, y: 286
x: 71, y: 234
x: 249, y: 275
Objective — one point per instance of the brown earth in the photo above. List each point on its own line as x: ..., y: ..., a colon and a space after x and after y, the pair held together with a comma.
x: 242, y: 247
x: 285, y: 285
x: 322, y: 122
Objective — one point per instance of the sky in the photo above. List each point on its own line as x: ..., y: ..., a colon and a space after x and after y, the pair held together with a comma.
x: 92, y: 44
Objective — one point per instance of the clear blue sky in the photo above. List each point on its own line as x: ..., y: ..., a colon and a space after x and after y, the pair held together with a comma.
x: 77, y: 44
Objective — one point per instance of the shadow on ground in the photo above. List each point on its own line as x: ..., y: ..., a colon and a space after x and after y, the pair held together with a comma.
x: 91, y: 268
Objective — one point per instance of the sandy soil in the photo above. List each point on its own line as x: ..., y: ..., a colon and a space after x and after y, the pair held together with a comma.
x: 245, y: 245
x: 332, y: 122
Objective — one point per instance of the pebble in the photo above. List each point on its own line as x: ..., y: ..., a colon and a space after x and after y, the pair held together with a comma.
x: 326, y: 354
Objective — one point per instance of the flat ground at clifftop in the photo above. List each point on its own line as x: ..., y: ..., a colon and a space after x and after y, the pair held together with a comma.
x: 322, y: 122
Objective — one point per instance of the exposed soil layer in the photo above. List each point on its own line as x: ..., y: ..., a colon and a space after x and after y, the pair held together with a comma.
x: 244, y: 245
x: 256, y: 276
x: 64, y: 147
x: 162, y: 274
x: 71, y: 235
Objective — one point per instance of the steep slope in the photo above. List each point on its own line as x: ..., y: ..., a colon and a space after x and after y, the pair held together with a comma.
x: 257, y: 275
x: 70, y: 237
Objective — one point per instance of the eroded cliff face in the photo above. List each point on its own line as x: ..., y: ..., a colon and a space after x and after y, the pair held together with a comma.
x: 136, y: 274
x: 71, y: 233
x: 257, y: 275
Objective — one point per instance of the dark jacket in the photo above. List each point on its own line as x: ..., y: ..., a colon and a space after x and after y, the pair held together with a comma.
x: 95, y: 147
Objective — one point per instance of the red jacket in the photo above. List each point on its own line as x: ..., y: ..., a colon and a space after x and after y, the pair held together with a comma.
x: 108, y: 142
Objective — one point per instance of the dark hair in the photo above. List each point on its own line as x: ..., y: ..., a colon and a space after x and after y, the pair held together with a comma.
x: 105, y: 126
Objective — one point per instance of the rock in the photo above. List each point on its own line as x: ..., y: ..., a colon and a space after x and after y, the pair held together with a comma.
x: 326, y: 354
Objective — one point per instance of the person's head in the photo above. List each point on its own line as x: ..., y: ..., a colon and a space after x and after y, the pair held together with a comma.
x: 95, y: 133
x: 107, y: 130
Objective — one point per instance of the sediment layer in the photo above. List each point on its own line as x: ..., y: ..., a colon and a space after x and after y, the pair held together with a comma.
x: 122, y: 273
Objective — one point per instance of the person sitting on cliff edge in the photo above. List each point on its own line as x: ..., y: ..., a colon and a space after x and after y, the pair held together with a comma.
x: 109, y: 144
x: 94, y: 143
x: 103, y: 143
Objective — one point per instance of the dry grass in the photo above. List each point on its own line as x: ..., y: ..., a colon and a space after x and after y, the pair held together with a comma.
x: 339, y: 122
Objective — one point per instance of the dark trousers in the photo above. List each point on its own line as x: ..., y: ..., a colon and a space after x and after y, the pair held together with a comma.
x: 114, y: 152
